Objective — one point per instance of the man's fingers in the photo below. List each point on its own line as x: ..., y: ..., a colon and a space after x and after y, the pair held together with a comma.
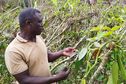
x: 71, y: 49
x: 65, y: 69
x: 68, y: 71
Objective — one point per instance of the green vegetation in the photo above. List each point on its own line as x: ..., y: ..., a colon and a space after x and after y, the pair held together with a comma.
x: 97, y: 31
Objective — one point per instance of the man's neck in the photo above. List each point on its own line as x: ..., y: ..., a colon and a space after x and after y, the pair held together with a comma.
x: 27, y: 36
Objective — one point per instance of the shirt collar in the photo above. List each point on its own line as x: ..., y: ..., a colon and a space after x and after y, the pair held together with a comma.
x: 19, y: 38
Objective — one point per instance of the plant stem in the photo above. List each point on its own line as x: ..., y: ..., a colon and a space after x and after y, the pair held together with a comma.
x: 102, y: 64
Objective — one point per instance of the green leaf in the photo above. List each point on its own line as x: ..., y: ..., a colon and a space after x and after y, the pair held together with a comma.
x: 82, y: 53
x: 101, y: 27
x: 115, y: 28
x: 95, y: 29
x: 110, y: 80
x: 78, y: 64
x: 83, y: 81
x: 108, y: 33
x: 55, y: 2
x: 100, y: 35
x: 121, y: 67
x: 106, y: 28
x: 115, y: 73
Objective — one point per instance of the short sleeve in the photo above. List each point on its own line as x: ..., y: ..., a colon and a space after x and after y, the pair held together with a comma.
x: 14, y: 62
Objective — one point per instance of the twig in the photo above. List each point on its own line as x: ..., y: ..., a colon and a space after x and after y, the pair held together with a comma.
x: 81, y: 39
x: 52, y: 36
x: 10, y: 11
x: 65, y: 25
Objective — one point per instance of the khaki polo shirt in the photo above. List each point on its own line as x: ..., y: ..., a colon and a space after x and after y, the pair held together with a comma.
x: 22, y: 55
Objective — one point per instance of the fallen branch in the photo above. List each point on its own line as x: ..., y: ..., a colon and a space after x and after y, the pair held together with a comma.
x: 64, y: 26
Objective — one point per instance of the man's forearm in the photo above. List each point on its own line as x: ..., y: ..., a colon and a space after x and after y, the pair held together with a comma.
x: 25, y: 78
x: 39, y: 80
x: 53, y: 56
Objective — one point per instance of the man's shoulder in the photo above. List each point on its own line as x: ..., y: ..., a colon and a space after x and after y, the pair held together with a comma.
x: 13, y: 46
x: 40, y: 37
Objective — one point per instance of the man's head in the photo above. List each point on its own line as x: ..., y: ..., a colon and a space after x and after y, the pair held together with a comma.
x: 30, y: 21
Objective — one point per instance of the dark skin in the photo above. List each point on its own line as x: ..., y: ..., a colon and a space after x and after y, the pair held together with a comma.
x: 29, y: 32
x: 66, y: 53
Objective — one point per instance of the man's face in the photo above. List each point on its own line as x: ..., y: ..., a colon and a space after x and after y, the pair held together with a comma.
x: 36, y: 25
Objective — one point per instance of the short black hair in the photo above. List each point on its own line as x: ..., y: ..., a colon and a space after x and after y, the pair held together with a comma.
x: 27, y: 14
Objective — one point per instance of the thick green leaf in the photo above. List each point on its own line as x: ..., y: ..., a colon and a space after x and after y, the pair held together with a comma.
x: 115, y: 73
x: 121, y: 68
x: 83, y: 81
x: 82, y: 53
x: 78, y: 64
x: 110, y: 80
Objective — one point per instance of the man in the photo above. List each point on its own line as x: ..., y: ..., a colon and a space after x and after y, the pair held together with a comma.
x: 27, y: 58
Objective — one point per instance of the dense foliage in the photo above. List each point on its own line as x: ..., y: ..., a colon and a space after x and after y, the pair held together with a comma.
x: 96, y: 30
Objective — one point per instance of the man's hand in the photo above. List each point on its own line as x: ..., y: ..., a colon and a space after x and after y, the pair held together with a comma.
x: 65, y: 52
x: 62, y: 75
x: 68, y: 51
x: 25, y: 78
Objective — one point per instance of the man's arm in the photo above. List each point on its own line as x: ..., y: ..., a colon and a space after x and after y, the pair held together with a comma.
x: 65, y: 52
x: 25, y: 78
x: 53, y: 56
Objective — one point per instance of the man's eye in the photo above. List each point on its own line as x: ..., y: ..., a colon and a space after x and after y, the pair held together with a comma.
x: 40, y: 21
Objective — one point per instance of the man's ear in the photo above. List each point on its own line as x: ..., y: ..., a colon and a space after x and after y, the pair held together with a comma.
x: 27, y: 25
x: 28, y: 21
